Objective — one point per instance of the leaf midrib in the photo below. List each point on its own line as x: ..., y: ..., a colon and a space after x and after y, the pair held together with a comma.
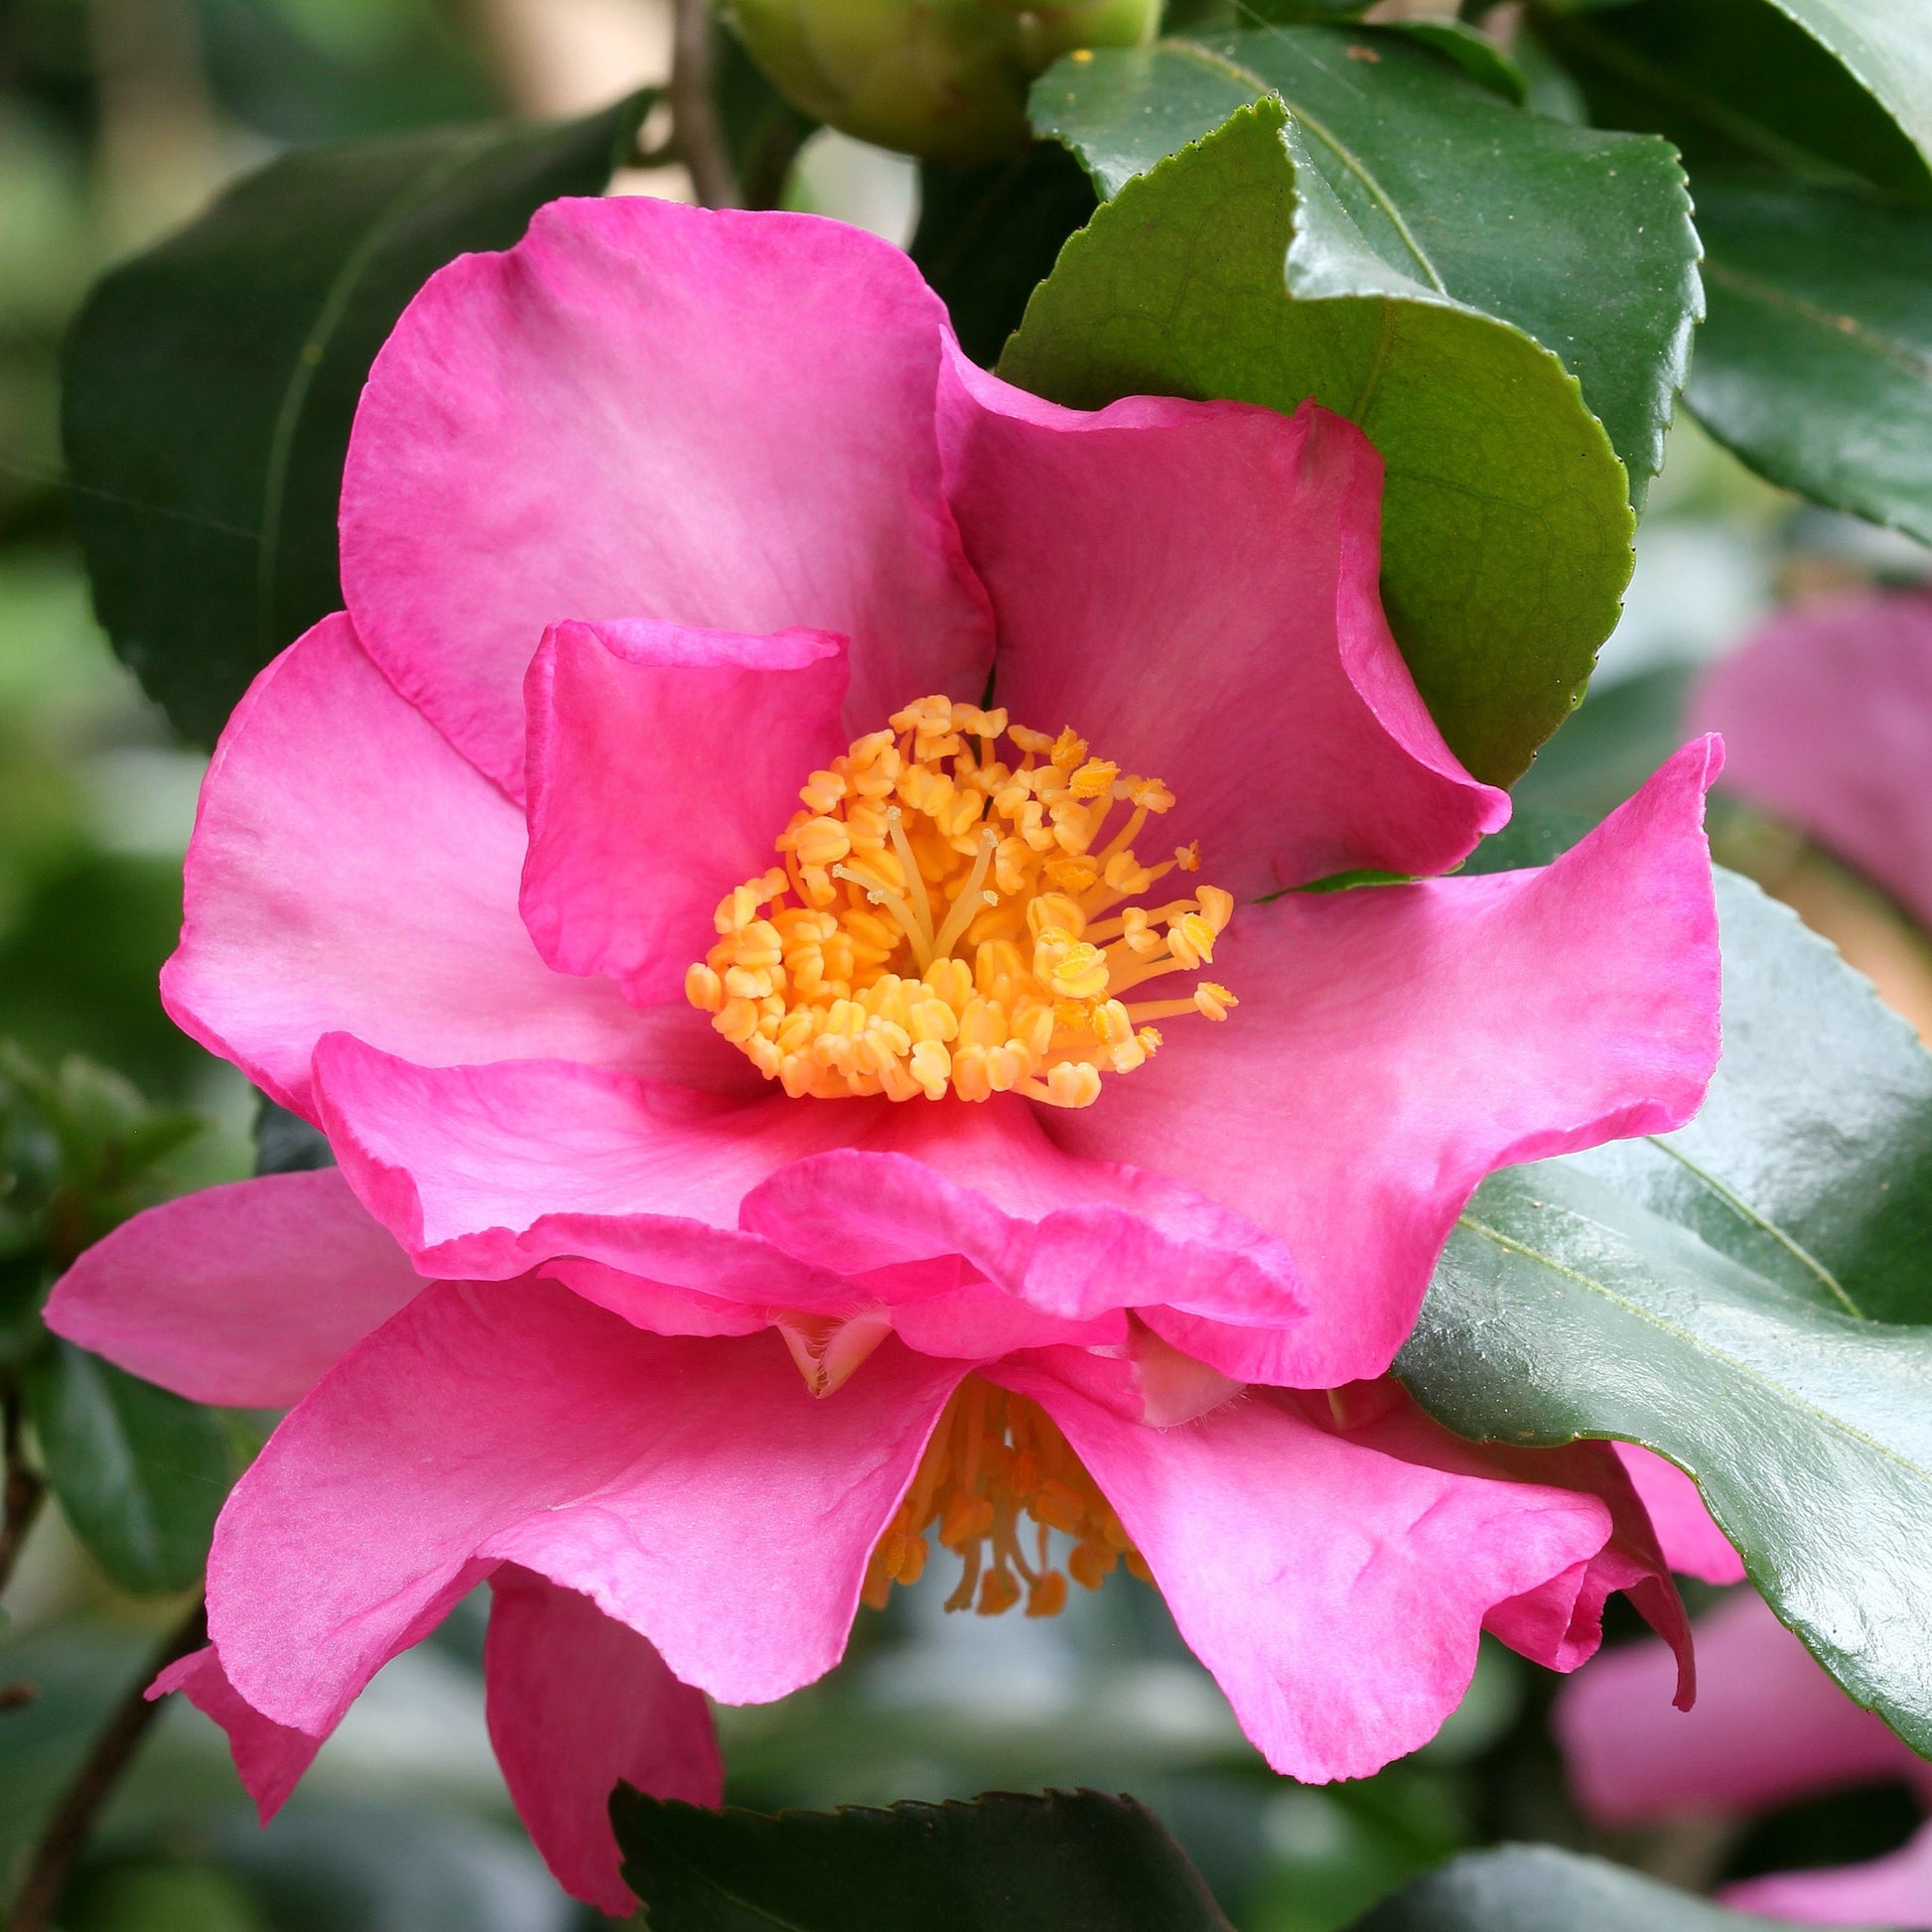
x: 1246, y: 78
x: 1695, y: 1342
x: 1838, y: 328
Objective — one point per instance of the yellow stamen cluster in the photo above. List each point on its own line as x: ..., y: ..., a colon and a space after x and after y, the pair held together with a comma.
x: 993, y: 1458
x: 949, y: 918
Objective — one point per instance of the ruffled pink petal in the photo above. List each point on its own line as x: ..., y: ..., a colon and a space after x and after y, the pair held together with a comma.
x: 1071, y: 1238
x: 1827, y: 714
x: 1395, y: 1044
x: 1895, y: 1890
x: 577, y: 1703
x: 1337, y: 1593
x: 662, y: 763
x: 269, y: 1758
x: 348, y: 869
x: 483, y: 1171
x: 1770, y: 1726
x: 1694, y: 1544
x: 240, y: 1295
x: 691, y: 1489
x: 1193, y: 587
x: 641, y: 410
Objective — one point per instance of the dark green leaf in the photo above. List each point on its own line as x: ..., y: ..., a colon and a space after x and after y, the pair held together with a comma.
x: 1583, y: 240
x: 987, y: 236
x: 211, y: 384
x: 1061, y: 1863
x: 1703, y: 1293
x: 1537, y: 1889
x: 1816, y: 361
x: 1231, y: 269
x: 141, y: 1475
x: 762, y: 129
x: 1742, y: 80
x: 1476, y: 53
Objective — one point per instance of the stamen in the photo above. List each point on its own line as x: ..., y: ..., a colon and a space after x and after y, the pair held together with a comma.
x: 936, y: 930
x: 993, y: 1458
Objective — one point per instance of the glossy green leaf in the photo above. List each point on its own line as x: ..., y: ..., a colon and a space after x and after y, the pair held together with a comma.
x: 1063, y: 1862
x: 209, y: 384
x: 1481, y: 58
x: 1581, y: 238
x: 1833, y: 90
x: 988, y: 235
x: 141, y: 1475
x: 1816, y: 361
x: 1709, y: 1293
x: 1231, y: 269
x: 1537, y: 1889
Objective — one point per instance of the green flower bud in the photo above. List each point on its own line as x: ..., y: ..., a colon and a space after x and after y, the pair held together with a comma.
x: 943, y: 78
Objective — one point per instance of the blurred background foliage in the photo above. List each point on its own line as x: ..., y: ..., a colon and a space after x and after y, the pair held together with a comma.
x: 118, y: 119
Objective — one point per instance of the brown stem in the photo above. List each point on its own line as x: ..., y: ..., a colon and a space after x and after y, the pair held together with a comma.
x: 23, y: 1490
x: 695, y: 128
x: 66, y: 1830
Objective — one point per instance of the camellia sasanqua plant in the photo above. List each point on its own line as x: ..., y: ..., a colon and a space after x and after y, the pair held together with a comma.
x: 888, y: 885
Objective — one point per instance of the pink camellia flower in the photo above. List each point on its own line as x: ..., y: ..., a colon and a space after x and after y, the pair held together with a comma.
x: 1824, y: 713
x: 735, y: 890
x: 1770, y: 1727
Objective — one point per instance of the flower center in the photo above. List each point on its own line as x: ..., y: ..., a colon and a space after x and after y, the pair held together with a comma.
x: 952, y: 919
x: 993, y: 1457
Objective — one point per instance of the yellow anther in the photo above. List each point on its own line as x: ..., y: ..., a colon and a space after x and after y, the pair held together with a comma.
x: 1213, y: 1001
x: 820, y: 842
x: 998, y: 1480
x: 1094, y: 779
x: 1080, y: 973
x: 1188, y: 857
x: 957, y: 917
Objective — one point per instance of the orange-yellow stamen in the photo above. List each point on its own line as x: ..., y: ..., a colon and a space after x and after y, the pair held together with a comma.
x: 994, y: 1458
x: 948, y: 920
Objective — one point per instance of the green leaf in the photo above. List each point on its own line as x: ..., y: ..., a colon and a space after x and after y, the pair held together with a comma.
x: 1474, y: 53
x: 209, y: 384
x: 1231, y: 269
x: 1537, y: 1889
x: 988, y: 235
x: 1706, y: 1293
x: 141, y: 1475
x: 1815, y: 363
x: 1791, y: 83
x: 1581, y: 238
x: 1059, y: 1862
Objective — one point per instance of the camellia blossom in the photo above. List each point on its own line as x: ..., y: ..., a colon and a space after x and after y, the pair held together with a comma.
x: 737, y: 888
x: 1824, y: 713
x: 1770, y: 1727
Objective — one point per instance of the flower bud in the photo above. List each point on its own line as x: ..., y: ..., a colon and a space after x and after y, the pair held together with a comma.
x: 945, y: 79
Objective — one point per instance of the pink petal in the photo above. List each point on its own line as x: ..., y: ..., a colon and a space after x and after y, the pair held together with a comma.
x: 578, y: 1704
x: 662, y: 763
x: 1895, y: 1890
x: 240, y: 1295
x: 483, y: 1172
x: 1193, y: 587
x: 691, y: 1489
x: 1695, y: 1544
x: 348, y: 869
x: 1396, y: 1045
x: 724, y: 420
x: 1770, y: 1726
x: 1826, y: 715
x: 269, y: 1758
x: 1071, y: 1238
x: 1337, y: 1593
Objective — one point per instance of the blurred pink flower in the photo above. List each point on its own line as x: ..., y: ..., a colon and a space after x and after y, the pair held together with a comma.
x: 739, y: 1027
x: 1827, y: 718
x: 1769, y: 1727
